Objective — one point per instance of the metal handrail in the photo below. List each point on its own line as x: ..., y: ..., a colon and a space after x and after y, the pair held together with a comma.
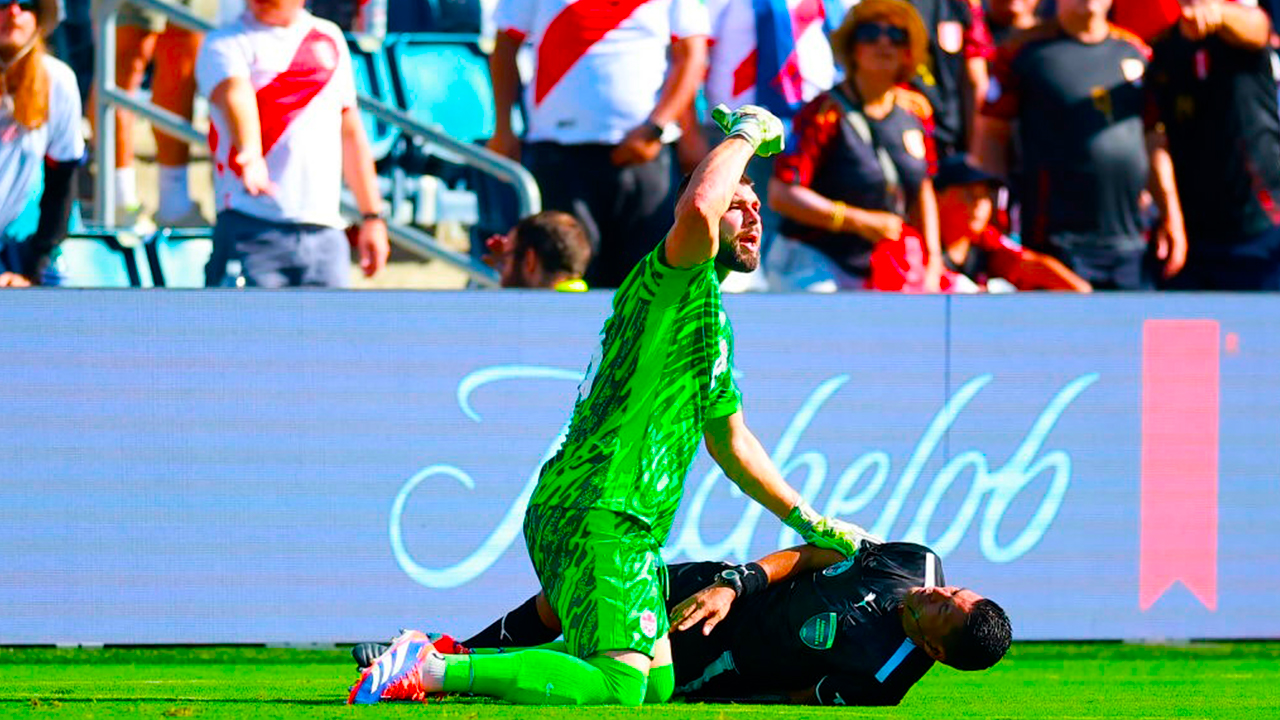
x: 528, y: 198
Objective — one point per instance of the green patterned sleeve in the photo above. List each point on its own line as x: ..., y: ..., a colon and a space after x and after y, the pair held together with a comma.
x: 661, y: 283
x: 724, y: 398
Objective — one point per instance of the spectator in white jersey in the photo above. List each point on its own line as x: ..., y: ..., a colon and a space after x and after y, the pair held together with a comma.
x: 610, y: 81
x: 283, y: 98
x: 40, y: 144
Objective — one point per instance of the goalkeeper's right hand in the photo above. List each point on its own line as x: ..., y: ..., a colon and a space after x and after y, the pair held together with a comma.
x: 752, y: 123
x: 827, y: 532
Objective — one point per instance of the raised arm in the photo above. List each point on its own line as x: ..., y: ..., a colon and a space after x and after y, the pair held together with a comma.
x: 694, y: 238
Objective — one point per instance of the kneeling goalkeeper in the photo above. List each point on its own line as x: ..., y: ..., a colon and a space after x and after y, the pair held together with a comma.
x: 604, y: 504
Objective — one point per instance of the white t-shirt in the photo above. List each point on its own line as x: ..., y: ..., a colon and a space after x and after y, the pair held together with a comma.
x: 303, y: 78
x: 600, y: 64
x: 731, y: 78
x: 23, y: 152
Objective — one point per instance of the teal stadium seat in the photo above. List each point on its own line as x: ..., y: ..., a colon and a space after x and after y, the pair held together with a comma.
x: 177, y: 256
x: 373, y: 78
x: 439, y: 16
x: 443, y: 80
x: 103, y: 259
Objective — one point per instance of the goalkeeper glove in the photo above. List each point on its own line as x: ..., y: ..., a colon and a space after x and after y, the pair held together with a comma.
x: 827, y: 532
x: 753, y: 124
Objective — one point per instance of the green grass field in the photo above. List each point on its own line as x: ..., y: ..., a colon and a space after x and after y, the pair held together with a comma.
x: 1060, y: 681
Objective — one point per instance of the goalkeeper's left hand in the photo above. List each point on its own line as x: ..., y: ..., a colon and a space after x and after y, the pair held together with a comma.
x: 827, y: 532
x: 752, y: 123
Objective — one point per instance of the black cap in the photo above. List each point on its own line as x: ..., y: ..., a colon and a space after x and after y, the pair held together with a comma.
x: 958, y: 170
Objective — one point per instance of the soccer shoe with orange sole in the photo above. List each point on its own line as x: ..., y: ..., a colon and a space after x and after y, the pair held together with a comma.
x: 397, y: 673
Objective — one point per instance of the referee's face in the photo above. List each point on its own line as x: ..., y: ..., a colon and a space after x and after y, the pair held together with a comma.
x: 931, y: 615
x: 740, y: 232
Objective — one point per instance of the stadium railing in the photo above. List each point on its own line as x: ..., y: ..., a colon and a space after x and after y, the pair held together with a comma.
x: 104, y: 258
x: 177, y: 256
x: 427, y: 137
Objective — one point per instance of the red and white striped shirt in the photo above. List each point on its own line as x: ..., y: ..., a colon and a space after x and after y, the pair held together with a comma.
x: 303, y: 80
x: 599, y: 64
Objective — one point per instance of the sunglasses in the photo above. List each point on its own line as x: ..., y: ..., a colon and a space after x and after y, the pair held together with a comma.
x: 23, y: 5
x: 869, y: 32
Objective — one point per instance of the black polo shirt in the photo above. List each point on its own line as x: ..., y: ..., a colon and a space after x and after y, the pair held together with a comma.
x: 1080, y: 113
x: 1218, y: 106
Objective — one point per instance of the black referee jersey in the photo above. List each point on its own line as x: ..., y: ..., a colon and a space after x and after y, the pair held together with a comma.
x: 837, y: 630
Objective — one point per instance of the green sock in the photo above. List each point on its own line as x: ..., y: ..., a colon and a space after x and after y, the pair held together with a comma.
x: 557, y: 645
x: 662, y: 684
x: 546, y: 677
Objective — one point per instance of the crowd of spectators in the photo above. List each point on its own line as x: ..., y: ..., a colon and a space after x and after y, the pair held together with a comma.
x: 933, y: 145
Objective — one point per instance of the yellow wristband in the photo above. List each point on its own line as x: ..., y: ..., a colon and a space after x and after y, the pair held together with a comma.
x: 837, y: 215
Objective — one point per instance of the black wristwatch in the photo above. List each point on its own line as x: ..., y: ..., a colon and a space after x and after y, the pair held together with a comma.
x: 731, y: 578
x: 665, y: 134
x: 381, y: 215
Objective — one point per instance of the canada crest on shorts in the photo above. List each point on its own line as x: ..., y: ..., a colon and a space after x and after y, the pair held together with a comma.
x: 649, y: 623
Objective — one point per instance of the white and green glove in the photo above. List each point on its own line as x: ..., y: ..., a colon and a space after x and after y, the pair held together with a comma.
x: 827, y: 532
x: 752, y: 123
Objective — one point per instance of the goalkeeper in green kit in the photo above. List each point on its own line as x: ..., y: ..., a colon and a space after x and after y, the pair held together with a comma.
x: 605, y: 502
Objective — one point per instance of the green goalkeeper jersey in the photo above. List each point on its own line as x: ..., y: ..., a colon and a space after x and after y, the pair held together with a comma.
x: 664, y: 368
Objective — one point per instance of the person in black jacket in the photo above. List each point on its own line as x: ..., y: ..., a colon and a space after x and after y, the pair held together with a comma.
x: 1211, y: 85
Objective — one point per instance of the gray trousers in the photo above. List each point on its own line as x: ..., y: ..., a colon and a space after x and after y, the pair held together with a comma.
x: 276, y: 255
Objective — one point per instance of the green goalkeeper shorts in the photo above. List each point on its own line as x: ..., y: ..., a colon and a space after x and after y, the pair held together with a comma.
x: 604, y: 576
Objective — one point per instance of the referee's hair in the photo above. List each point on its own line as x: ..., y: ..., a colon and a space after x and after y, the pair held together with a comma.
x: 684, y: 184
x: 983, y: 640
x: 557, y: 239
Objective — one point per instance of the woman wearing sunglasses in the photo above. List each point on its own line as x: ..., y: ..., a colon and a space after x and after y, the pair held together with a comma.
x: 856, y: 172
x: 40, y: 143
